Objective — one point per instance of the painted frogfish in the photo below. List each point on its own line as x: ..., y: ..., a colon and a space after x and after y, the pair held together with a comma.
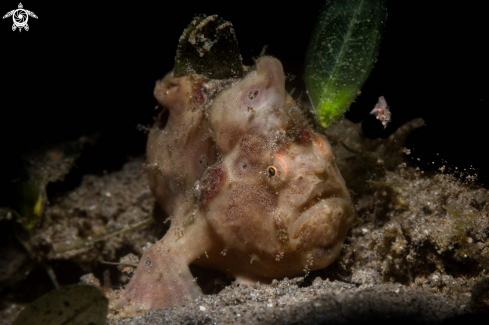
x: 251, y: 189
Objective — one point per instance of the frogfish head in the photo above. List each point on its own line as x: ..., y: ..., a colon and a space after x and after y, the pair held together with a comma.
x: 276, y: 194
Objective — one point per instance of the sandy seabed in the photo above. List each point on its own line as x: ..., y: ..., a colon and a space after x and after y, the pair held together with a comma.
x: 418, y: 249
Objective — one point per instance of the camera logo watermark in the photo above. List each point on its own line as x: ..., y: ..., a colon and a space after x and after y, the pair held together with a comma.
x: 20, y: 17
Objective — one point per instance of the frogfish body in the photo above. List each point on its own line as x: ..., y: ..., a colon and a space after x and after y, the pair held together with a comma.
x: 251, y: 189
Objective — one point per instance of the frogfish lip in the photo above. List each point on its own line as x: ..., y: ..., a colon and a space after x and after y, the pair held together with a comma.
x: 326, y: 213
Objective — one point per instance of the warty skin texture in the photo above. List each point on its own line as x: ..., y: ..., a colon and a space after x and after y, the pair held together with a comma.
x: 251, y: 189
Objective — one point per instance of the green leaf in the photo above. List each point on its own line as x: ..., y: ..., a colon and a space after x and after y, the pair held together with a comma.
x: 75, y: 304
x: 40, y: 167
x: 341, y: 53
x: 29, y: 200
x: 208, y: 46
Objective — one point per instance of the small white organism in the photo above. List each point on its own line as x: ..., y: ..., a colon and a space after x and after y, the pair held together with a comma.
x: 382, y: 112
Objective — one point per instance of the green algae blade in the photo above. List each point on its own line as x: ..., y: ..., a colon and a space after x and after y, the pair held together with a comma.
x: 341, y: 53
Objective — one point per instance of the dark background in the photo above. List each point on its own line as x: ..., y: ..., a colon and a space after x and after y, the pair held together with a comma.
x: 90, y: 68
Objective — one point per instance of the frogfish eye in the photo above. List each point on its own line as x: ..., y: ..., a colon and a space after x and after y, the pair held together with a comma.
x: 272, y: 171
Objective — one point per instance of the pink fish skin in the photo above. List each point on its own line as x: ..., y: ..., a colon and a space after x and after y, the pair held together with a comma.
x: 251, y: 189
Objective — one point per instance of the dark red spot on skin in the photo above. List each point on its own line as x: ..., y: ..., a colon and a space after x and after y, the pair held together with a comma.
x: 198, y: 95
x: 282, y: 147
x: 305, y: 136
x: 211, y: 184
